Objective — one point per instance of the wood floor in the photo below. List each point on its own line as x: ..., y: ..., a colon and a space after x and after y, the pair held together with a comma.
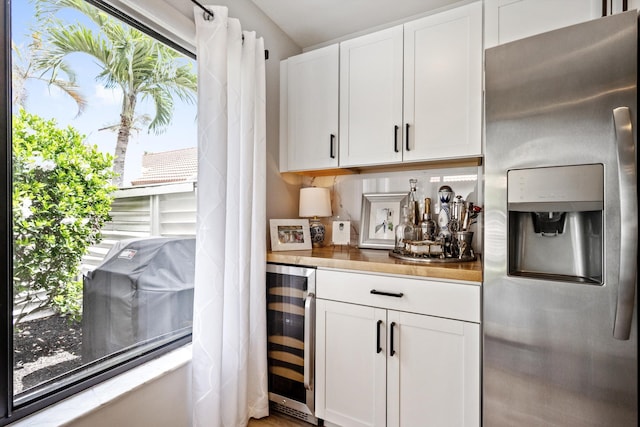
x: 280, y: 420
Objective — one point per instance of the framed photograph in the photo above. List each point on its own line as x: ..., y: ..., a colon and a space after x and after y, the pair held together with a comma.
x: 290, y: 234
x: 379, y: 217
x: 341, y: 232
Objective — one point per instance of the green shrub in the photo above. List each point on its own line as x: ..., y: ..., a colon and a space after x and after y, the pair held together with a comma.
x: 61, y: 198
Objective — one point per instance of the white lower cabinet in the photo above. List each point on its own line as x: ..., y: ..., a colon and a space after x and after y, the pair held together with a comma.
x: 433, y: 378
x: 350, y: 373
x: 377, y: 365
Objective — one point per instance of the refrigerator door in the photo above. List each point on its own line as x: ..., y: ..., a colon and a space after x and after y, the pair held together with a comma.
x: 558, y: 351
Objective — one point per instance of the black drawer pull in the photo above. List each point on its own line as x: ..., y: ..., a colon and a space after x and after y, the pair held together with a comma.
x: 387, y: 294
x: 378, y: 346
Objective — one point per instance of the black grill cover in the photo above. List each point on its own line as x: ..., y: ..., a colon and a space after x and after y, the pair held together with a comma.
x: 142, y: 290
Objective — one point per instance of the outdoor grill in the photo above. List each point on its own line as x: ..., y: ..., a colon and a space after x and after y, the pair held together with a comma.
x: 142, y: 291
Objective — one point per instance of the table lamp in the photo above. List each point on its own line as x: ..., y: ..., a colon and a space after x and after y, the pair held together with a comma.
x: 315, y: 202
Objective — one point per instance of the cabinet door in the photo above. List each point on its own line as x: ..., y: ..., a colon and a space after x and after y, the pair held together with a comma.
x: 371, y: 98
x: 312, y: 104
x: 509, y: 20
x: 443, y: 85
x: 434, y: 375
x: 350, y: 367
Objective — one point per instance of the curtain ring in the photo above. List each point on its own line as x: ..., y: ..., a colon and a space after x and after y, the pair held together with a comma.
x: 207, y: 14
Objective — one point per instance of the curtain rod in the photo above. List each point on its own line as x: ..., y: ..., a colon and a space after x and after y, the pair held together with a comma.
x: 208, y: 15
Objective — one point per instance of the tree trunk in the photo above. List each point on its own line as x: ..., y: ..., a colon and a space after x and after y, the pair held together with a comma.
x: 126, y: 121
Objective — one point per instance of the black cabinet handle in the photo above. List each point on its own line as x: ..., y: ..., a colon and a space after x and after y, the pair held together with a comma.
x: 378, y: 346
x: 387, y: 294
x: 332, y: 141
x: 392, y: 351
x: 406, y: 136
x: 395, y: 138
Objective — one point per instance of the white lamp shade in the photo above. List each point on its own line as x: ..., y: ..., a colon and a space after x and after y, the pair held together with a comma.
x: 315, y: 201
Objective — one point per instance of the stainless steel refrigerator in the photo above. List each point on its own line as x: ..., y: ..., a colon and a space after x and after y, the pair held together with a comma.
x: 560, y: 343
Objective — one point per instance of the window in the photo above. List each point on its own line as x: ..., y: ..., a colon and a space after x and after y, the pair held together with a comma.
x: 98, y: 213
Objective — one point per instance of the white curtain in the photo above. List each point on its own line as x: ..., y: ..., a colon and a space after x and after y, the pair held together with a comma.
x: 229, y: 329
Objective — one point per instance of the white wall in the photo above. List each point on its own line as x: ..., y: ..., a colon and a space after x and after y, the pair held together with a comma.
x: 165, y: 402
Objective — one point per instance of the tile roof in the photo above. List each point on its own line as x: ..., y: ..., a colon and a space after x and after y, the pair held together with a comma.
x: 168, y: 166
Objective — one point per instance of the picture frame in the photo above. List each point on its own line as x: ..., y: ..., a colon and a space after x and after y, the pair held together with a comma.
x: 290, y: 234
x: 379, y: 216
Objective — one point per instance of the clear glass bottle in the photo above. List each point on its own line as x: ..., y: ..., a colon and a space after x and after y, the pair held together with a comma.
x: 414, y: 207
x: 427, y: 225
x: 405, y: 231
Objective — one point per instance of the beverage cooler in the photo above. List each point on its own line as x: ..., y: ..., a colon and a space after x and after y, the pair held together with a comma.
x: 291, y: 334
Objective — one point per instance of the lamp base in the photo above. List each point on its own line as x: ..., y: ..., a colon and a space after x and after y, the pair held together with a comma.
x: 317, y: 231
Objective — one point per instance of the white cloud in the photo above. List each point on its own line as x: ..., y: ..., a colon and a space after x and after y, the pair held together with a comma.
x: 104, y: 96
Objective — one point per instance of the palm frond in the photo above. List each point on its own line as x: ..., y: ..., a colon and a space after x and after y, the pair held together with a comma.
x: 163, y: 103
x: 45, y: 9
x: 72, y: 90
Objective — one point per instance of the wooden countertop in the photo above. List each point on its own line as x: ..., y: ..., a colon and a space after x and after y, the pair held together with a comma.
x: 378, y: 261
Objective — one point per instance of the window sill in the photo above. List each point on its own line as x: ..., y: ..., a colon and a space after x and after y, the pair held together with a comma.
x: 102, y: 394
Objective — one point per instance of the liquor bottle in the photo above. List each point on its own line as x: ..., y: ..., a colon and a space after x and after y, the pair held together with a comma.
x: 414, y: 208
x: 405, y: 231
x: 427, y: 225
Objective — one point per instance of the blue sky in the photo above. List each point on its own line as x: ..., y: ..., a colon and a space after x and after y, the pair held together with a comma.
x: 103, y: 104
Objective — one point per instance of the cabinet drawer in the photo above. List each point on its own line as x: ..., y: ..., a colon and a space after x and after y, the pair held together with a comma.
x: 443, y: 299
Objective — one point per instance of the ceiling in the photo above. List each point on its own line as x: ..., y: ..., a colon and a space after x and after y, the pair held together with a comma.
x: 314, y: 22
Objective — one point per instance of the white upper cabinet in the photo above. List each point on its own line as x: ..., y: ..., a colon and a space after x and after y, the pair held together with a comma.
x: 509, y: 20
x: 413, y: 92
x: 310, y: 91
x: 443, y: 85
x: 371, y: 98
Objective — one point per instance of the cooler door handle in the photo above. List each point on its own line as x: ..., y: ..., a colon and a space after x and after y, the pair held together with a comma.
x: 628, y: 222
x: 309, y: 339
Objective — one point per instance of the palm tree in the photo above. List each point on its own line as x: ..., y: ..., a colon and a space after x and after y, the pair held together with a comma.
x: 130, y: 60
x: 24, y: 67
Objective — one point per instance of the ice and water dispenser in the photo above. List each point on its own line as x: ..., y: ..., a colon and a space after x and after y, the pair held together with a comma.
x: 555, y: 229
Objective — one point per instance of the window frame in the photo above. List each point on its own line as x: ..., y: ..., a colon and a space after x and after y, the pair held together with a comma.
x: 9, y: 410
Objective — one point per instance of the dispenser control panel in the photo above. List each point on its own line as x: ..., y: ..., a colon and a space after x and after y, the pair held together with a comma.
x: 556, y: 188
